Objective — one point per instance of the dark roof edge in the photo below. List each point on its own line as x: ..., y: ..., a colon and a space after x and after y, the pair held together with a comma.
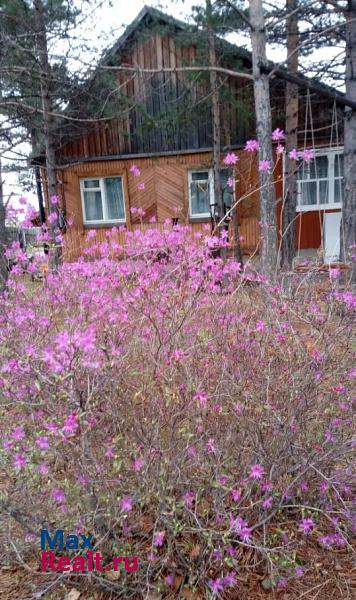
x: 145, y: 155
x: 144, y: 12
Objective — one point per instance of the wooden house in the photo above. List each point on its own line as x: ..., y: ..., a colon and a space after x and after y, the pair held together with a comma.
x: 164, y: 127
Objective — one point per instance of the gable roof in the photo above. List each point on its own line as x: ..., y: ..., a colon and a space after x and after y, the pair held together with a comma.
x: 149, y: 15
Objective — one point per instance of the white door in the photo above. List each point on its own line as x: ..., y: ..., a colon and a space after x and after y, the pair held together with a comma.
x: 332, y: 237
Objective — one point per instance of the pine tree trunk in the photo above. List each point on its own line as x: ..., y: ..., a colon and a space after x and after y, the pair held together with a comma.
x: 288, y: 217
x: 3, y: 234
x: 37, y: 172
x: 264, y: 134
x: 218, y: 201
x: 348, y: 222
x: 3, y: 238
x: 48, y: 124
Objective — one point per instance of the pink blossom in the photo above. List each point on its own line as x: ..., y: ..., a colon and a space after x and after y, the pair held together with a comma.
x: 306, y: 525
x: 137, y: 464
x: 52, y: 218
x: 216, y: 585
x: 332, y: 540
x: 328, y: 435
x: 54, y: 200
x: 52, y: 427
x: 91, y: 234
x: 231, y: 159
x: 109, y: 453
x: 43, y: 443
x: 202, y: 398
x: 261, y: 326
x: 230, y: 579
x: 293, y: 154
x: 334, y: 273
x: 280, y: 149
x: 18, y: 433
x: 278, y: 134
x: 264, y: 165
x: 82, y: 479
x: 307, y: 155
x: 22, y: 200
x: 236, y: 495
x: 245, y: 534
x: 19, y: 461
x: 43, y: 469
x: 169, y: 580
x: 135, y: 170
x: 252, y: 146
x: 304, y: 486
x: 126, y: 504
x: 188, y: 499
x: 230, y: 182
x: 257, y: 471
x: 352, y: 372
x: 223, y: 479
x: 268, y: 502
x: 210, y: 446
x: 158, y: 539
x: 58, y: 495
x: 70, y: 424
x: 192, y: 452
x: 141, y: 186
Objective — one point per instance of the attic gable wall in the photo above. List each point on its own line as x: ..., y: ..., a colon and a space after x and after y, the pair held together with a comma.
x: 165, y: 112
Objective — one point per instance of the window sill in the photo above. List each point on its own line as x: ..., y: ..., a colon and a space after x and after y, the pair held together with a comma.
x: 202, y: 219
x: 104, y: 224
x: 316, y: 208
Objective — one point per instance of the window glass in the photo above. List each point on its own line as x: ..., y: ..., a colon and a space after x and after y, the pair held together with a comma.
x: 323, y: 192
x: 338, y: 195
x: 339, y: 165
x: 320, y: 181
x: 200, y: 193
x: 200, y: 175
x: 93, y: 206
x: 114, y: 198
x: 103, y: 199
x: 319, y: 167
x: 308, y: 193
x: 91, y: 183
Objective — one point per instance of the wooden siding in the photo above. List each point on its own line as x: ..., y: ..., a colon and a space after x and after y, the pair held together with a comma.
x: 163, y: 111
x: 165, y: 197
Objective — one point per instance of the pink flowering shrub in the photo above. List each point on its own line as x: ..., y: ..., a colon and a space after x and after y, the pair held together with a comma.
x: 179, y: 408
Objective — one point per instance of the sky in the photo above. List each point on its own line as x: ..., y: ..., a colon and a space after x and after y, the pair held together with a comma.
x: 101, y: 28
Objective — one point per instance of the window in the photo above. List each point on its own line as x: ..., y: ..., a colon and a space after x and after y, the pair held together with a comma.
x: 320, y: 181
x: 102, y: 200
x: 201, y: 192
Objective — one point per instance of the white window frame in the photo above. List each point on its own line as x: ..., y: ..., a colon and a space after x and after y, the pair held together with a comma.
x: 101, y: 188
x: 210, y: 172
x: 331, y: 154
